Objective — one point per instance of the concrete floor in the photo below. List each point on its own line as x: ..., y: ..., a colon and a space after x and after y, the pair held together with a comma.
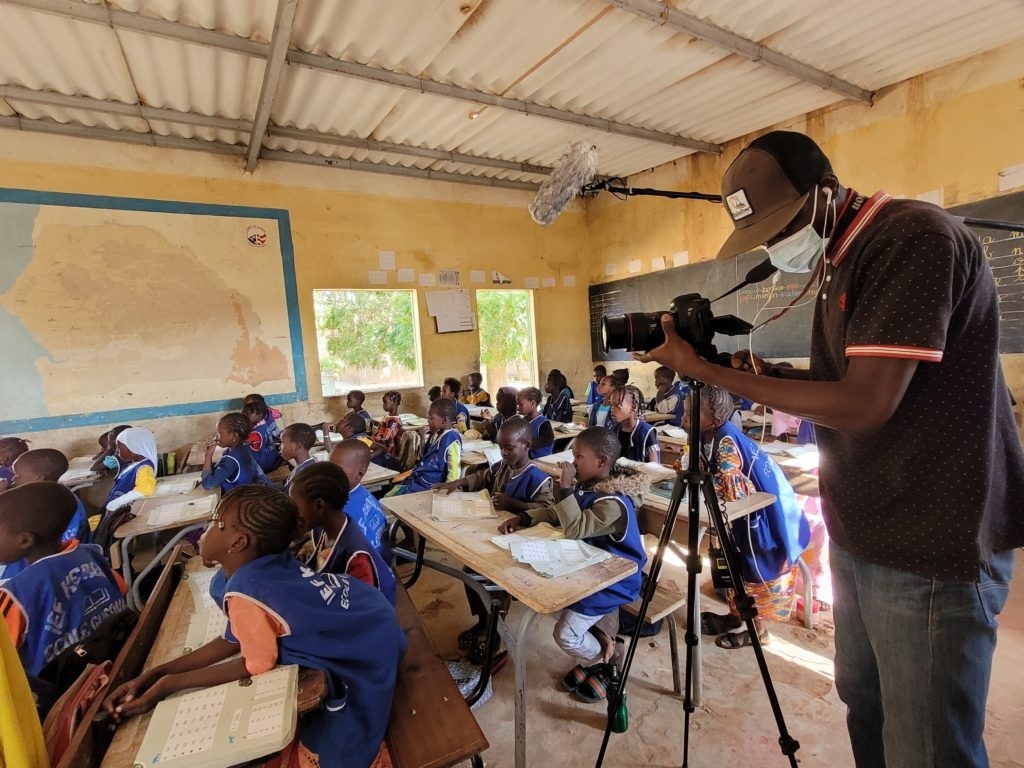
x: 734, y: 727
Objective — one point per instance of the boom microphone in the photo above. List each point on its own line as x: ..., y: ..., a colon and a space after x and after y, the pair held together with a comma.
x: 574, y: 169
x: 756, y: 274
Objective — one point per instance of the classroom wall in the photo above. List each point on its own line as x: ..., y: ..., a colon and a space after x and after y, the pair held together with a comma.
x: 947, y: 132
x: 339, y: 221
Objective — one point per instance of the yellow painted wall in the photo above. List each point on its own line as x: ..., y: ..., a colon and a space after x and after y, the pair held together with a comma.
x: 954, y: 129
x: 339, y: 222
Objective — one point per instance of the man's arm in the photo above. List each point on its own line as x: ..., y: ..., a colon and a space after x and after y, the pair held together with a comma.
x: 861, y: 403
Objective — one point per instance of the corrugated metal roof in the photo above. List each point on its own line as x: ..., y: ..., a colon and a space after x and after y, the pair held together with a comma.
x: 584, y: 56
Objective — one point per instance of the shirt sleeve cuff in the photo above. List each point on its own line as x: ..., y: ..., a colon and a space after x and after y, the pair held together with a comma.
x: 925, y: 354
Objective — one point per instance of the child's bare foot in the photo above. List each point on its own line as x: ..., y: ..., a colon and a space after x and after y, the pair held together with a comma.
x: 607, y: 645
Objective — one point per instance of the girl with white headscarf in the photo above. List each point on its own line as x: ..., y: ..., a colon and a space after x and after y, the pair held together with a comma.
x: 136, y: 450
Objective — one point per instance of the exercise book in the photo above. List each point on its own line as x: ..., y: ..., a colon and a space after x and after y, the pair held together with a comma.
x: 224, y: 725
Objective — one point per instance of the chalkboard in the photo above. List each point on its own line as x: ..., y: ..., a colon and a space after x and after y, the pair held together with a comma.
x: 1005, y: 253
x: 789, y: 336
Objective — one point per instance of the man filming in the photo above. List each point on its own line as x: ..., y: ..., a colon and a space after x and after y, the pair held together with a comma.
x: 921, y: 472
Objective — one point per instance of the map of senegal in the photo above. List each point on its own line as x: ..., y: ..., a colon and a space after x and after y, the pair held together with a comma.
x: 111, y: 309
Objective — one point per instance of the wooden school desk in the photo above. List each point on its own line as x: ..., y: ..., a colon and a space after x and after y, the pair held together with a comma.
x: 143, y: 509
x: 169, y: 644
x: 469, y: 541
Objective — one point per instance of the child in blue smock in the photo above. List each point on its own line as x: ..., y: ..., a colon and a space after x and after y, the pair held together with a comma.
x: 280, y: 611
x: 275, y: 417
x: 353, y: 458
x: 442, y: 453
x: 354, y: 402
x: 559, y: 403
x: 237, y: 465
x: 671, y: 395
x: 66, y: 590
x: 136, y: 479
x: 542, y: 435
x: 338, y: 545
x: 593, y: 395
x: 601, y: 411
x: 451, y: 389
x: 265, y: 447
x: 638, y: 440
x: 599, y: 507
x: 296, y: 442
x: 769, y: 540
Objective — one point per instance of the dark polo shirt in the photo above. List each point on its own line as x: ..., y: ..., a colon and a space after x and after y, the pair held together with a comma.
x: 941, y: 486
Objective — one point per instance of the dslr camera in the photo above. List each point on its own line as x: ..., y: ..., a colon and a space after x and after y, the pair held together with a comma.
x: 693, y: 320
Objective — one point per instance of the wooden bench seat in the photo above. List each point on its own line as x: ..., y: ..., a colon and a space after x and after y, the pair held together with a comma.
x: 431, y: 725
x: 663, y: 606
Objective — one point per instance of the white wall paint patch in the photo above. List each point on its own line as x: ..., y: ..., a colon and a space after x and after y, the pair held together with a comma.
x: 681, y: 259
x: 377, y: 277
x: 547, y: 282
x: 610, y: 270
x: 635, y: 266
x: 406, y: 276
x: 386, y: 259
x: 477, y: 276
x: 658, y: 263
x: 569, y: 281
x: 531, y: 282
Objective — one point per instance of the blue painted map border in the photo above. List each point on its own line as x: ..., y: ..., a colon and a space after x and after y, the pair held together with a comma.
x: 284, y: 230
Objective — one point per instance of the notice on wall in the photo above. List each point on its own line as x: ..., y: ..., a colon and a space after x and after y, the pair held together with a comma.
x: 547, y: 282
x: 428, y: 280
x: 569, y: 281
x: 377, y: 277
x: 449, y: 278
x: 451, y: 310
x: 532, y: 282
x: 499, y: 279
x: 386, y: 259
x: 406, y: 276
x: 477, y: 276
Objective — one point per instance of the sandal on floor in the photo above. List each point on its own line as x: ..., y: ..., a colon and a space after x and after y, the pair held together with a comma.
x: 468, y: 639
x: 718, y: 624
x: 733, y: 640
x: 595, y: 688
x: 574, y: 678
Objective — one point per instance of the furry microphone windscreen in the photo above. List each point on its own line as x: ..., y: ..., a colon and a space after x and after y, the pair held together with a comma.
x: 576, y: 168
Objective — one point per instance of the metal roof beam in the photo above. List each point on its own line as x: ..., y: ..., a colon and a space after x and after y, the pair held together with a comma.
x: 17, y: 93
x: 665, y: 15
x: 371, y: 145
x: 86, y: 103
x: 101, y: 14
x: 175, y: 142
x: 279, y: 41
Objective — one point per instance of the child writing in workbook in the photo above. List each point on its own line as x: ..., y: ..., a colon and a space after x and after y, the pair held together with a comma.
x: 600, y: 411
x: 515, y: 486
x: 43, y: 465
x: 542, y: 435
x: 237, y: 466
x: 66, y: 590
x: 385, y: 440
x: 280, y: 611
x: 597, y: 505
x: 671, y: 395
x: 450, y: 391
x: 10, y: 449
x: 353, y: 458
x: 296, y: 442
x: 473, y: 394
x: 442, y: 453
x: 559, y: 404
x: 262, y: 444
x: 593, y: 396
x: 337, y: 544
x: 637, y: 438
x: 136, y: 454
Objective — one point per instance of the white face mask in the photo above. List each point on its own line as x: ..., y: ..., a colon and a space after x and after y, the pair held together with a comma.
x: 800, y: 251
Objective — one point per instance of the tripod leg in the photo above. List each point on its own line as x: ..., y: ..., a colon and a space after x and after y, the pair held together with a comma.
x: 673, y: 639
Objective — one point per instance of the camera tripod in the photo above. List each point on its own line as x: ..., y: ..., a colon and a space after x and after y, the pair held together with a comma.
x: 696, y: 483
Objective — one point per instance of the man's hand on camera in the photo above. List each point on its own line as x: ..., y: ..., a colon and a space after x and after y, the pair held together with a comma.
x: 676, y: 353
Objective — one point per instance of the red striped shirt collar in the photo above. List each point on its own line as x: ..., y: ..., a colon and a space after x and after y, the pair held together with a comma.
x: 868, y: 209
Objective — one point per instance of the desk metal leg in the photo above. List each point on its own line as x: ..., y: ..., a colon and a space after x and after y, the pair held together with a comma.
x: 134, y: 597
x: 126, y: 569
x: 805, y: 572
x: 517, y: 650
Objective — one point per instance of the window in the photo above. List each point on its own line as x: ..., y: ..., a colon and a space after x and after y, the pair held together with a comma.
x: 508, y: 349
x: 367, y: 340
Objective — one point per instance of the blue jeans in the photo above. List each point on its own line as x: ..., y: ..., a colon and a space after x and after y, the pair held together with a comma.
x: 913, y: 660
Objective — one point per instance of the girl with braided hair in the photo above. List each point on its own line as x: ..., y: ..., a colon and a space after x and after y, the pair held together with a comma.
x: 637, y: 438
x: 237, y: 466
x: 281, y: 612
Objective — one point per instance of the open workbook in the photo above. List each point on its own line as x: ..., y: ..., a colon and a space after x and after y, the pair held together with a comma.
x: 208, y: 621
x: 460, y: 505
x: 224, y: 725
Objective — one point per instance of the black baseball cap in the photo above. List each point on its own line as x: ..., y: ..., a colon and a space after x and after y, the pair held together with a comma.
x: 767, y: 185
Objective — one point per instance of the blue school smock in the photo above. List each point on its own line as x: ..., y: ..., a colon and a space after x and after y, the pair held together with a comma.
x: 526, y: 484
x: 641, y: 440
x: 294, y: 473
x: 433, y: 466
x: 238, y: 467
x: 339, y: 625
x: 535, y: 424
x: 592, y: 396
x: 600, y: 415
x: 369, y: 516
x: 64, y: 598
x: 771, y: 539
x: 559, y: 407
x: 352, y: 542
x: 805, y: 433
x: 262, y: 446
x: 125, y: 480
x: 681, y: 391
x: 629, y: 545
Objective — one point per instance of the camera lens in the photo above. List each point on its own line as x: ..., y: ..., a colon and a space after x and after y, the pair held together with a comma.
x: 636, y: 331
